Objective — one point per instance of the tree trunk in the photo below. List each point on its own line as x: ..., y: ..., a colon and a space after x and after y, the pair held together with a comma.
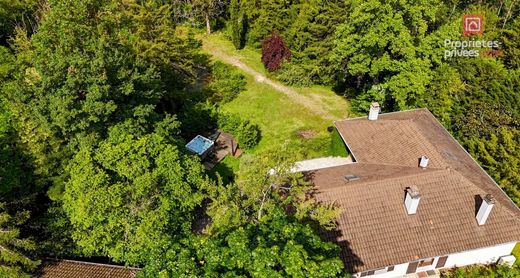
x: 208, y: 25
x: 508, y: 14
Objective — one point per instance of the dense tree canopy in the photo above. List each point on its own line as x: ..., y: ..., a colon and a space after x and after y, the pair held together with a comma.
x: 98, y: 98
x: 261, y: 226
x: 86, y: 69
x: 16, y: 13
x: 13, y: 261
x: 279, y: 246
x: 132, y: 193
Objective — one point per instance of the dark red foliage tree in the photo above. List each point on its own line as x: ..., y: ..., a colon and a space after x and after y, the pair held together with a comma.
x: 274, y: 52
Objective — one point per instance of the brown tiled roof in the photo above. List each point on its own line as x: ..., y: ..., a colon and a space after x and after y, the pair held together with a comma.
x: 374, y: 229
x: 76, y: 269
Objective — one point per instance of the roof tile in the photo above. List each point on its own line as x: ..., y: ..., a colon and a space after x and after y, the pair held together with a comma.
x: 374, y: 229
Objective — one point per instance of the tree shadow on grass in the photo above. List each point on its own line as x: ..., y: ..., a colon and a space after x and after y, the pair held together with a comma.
x: 226, y: 173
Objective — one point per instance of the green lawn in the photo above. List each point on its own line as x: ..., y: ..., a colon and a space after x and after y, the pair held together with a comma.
x: 226, y: 169
x: 248, y: 55
x: 279, y: 117
x: 337, y: 146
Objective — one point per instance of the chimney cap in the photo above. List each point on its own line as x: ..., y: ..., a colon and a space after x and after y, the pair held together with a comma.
x: 423, y: 161
x: 375, y: 104
x: 490, y: 199
x: 413, y: 191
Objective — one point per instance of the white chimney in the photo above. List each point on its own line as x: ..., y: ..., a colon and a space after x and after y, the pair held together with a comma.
x: 411, y: 202
x: 374, y: 111
x: 485, y: 209
x: 423, y: 163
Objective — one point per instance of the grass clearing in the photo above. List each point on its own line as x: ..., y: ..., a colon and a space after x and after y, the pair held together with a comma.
x: 279, y: 116
x: 248, y: 55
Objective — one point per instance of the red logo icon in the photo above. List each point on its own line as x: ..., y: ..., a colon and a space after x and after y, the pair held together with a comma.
x: 472, y: 24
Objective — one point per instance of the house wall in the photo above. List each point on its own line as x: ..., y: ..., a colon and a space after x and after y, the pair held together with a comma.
x: 480, y: 256
x: 477, y: 256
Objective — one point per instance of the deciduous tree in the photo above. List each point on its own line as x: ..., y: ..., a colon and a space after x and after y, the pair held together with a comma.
x: 274, y: 52
x: 278, y: 246
x: 208, y: 9
x: 90, y: 65
x: 133, y: 194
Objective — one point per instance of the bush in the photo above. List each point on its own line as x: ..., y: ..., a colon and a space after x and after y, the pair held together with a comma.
x: 475, y: 271
x: 227, y: 82
x: 274, y: 52
x: 229, y: 122
x: 294, y: 75
x: 246, y: 133
x: 196, y: 119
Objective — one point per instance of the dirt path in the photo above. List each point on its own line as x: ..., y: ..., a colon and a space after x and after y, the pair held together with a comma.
x: 307, y: 102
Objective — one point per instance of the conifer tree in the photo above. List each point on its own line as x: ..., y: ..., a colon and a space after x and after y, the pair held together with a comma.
x: 13, y: 260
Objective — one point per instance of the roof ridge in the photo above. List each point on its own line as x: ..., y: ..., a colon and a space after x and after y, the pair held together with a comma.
x: 399, y: 165
x: 387, y: 113
x: 461, y: 176
x: 473, y: 159
x: 428, y: 171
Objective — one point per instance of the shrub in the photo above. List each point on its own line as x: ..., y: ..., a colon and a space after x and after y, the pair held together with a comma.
x: 229, y: 122
x: 246, y: 133
x: 227, y: 82
x: 294, y: 75
x: 274, y: 52
x: 475, y: 271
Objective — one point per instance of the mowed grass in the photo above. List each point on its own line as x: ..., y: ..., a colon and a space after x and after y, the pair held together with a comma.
x: 248, y: 55
x: 279, y: 116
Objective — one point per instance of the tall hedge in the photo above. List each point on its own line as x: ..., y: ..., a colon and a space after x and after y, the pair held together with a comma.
x: 238, y: 22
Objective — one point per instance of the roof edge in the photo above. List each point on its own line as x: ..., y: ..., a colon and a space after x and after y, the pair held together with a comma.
x: 356, y: 118
x: 473, y: 159
x: 355, y: 160
x: 90, y: 263
x: 445, y: 131
x: 387, y: 113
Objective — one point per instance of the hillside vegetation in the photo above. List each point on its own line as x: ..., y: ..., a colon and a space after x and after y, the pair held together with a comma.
x: 99, y: 97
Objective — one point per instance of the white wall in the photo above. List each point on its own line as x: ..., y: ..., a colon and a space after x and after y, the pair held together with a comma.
x: 477, y: 256
x: 480, y: 256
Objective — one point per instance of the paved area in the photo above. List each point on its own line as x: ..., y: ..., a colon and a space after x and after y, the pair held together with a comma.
x: 224, y: 143
x: 320, y: 163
